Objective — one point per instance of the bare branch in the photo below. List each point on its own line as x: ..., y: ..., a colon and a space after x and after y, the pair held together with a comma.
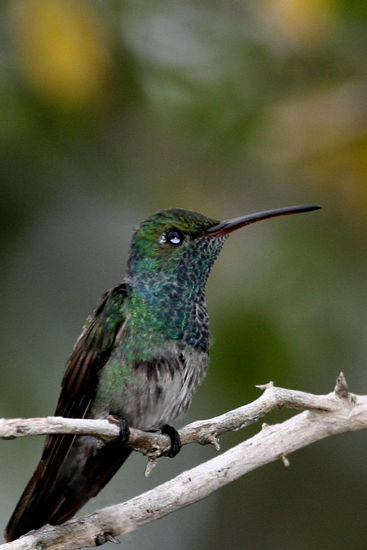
x: 154, y: 445
x: 331, y: 414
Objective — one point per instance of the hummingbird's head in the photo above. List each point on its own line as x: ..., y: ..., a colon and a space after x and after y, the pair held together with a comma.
x: 170, y: 240
x: 170, y: 258
x: 183, y: 244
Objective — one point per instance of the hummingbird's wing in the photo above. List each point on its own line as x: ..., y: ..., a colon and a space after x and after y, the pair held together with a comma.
x: 91, y: 351
x: 39, y: 502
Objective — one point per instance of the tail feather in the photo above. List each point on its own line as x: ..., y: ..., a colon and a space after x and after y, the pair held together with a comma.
x: 58, y: 489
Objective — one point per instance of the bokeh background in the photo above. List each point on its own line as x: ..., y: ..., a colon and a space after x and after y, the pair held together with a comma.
x: 113, y: 109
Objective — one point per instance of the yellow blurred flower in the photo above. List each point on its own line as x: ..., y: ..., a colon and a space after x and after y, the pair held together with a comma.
x: 301, y: 23
x: 62, y: 49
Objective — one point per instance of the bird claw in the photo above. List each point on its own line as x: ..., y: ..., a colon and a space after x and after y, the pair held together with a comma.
x: 175, y: 440
x: 121, y: 422
x: 124, y: 430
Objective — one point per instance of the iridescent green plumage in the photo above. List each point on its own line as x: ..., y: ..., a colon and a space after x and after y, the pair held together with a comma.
x: 165, y: 321
x: 140, y: 357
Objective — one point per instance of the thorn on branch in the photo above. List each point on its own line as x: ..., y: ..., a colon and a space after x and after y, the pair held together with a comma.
x: 285, y: 460
x: 102, y: 538
x: 266, y: 386
x: 111, y: 538
x: 213, y: 440
x: 151, y: 464
x: 341, y: 388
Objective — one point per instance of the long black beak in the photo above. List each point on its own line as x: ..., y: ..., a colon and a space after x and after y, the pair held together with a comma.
x: 223, y: 228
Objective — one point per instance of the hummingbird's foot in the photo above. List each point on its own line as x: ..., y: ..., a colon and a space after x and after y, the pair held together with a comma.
x: 175, y: 440
x: 123, y: 425
x: 124, y: 430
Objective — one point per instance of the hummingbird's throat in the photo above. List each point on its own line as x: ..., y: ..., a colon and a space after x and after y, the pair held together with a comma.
x: 169, y: 304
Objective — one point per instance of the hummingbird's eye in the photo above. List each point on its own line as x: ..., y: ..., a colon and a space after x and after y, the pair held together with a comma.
x: 173, y: 236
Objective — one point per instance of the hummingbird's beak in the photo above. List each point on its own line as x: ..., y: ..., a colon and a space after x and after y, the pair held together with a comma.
x: 223, y: 228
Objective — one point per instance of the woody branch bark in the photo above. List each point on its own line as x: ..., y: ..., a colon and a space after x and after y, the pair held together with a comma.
x: 326, y: 415
x: 153, y: 445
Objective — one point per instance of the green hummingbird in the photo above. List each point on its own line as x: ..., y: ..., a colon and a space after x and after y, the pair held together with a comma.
x: 140, y: 357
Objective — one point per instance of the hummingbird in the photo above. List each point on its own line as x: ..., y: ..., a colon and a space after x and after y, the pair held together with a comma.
x: 139, y: 358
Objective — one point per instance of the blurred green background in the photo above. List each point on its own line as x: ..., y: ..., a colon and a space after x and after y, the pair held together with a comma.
x: 113, y: 109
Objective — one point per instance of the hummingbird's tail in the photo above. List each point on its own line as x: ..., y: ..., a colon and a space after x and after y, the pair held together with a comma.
x: 59, y: 488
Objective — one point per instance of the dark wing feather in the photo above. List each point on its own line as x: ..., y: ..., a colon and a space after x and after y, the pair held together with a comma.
x: 91, y: 351
x: 38, y: 502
